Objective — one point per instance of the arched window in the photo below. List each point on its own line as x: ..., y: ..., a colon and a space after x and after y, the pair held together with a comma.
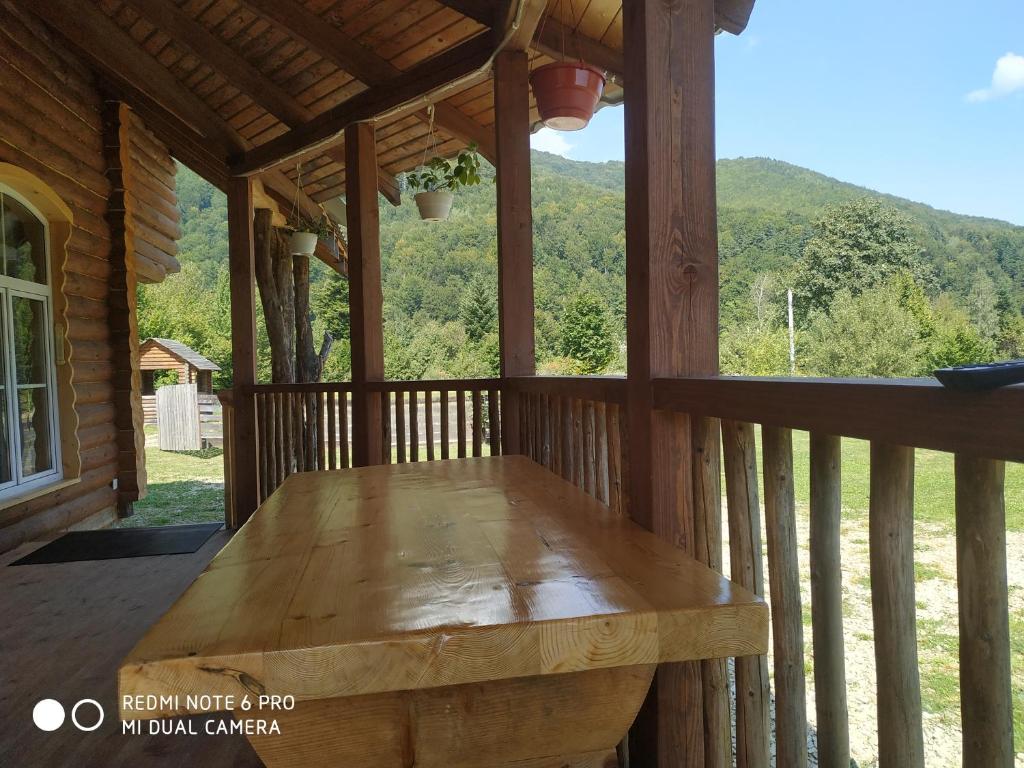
x: 29, y: 431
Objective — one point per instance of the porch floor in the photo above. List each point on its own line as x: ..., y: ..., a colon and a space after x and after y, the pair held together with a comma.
x: 82, y: 619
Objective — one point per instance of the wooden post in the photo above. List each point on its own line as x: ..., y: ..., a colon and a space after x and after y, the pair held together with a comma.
x: 242, y: 275
x: 515, y: 233
x: 827, y: 601
x: 671, y: 306
x: 986, y: 699
x: 366, y: 325
x: 891, y: 545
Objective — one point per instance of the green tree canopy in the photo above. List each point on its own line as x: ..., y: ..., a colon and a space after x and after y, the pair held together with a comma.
x: 856, y: 246
x: 478, y: 309
x: 586, y: 333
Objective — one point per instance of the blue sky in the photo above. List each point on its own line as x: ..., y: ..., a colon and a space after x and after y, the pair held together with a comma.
x: 919, y: 98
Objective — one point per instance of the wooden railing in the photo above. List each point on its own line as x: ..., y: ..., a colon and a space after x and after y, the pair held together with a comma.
x: 576, y: 427
x: 468, y: 419
x: 982, y: 430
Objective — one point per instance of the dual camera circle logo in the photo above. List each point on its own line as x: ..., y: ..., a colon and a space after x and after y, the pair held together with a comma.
x: 48, y: 715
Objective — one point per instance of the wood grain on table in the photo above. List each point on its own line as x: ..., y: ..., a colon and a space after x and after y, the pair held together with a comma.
x: 405, y: 577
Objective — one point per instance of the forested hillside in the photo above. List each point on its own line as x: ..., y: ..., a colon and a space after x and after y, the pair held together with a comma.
x: 944, y: 287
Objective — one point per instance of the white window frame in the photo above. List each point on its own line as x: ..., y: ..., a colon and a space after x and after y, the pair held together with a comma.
x: 10, y: 288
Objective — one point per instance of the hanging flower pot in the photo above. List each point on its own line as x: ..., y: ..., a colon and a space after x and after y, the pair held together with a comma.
x: 302, y: 243
x: 436, y: 205
x: 567, y: 94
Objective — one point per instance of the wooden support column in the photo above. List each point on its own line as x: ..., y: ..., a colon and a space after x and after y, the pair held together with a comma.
x: 242, y: 275
x: 672, y: 307
x: 515, y: 233
x: 366, y: 324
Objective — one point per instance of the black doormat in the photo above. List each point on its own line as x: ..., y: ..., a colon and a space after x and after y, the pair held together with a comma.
x: 113, y: 543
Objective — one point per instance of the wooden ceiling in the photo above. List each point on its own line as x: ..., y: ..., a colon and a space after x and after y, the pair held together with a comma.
x: 234, y: 85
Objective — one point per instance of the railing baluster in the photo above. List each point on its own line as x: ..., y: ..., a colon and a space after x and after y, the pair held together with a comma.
x: 827, y: 602
x: 545, y: 430
x: 578, y: 458
x: 601, y: 452
x: 708, y: 550
x: 309, y: 430
x: 891, y: 544
x: 460, y: 425
x: 568, y: 452
x: 478, y: 424
x: 343, y: 444
x: 986, y: 702
x: 264, y: 445
x: 332, y: 426
x: 614, y: 458
x: 494, y: 422
x: 400, y: 426
x: 414, y: 427
x: 784, y: 586
x: 274, y: 478
x: 279, y: 447
x: 589, y: 450
x: 386, y: 404
x: 321, y: 426
x: 752, y: 695
x: 557, y: 458
x: 289, y: 435
x: 445, y: 416
x: 428, y: 422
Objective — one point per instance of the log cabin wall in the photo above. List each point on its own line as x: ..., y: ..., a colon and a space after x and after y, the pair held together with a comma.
x: 52, y: 113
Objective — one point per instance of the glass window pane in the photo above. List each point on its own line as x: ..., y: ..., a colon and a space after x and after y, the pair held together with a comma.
x: 34, y: 428
x: 30, y: 339
x: 6, y: 465
x: 24, y: 242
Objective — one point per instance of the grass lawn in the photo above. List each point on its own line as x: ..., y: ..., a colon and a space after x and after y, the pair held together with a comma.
x: 185, y: 487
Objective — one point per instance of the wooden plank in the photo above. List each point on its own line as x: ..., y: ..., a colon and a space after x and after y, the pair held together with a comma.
x: 385, y: 448
x: 917, y: 412
x: 672, y: 305
x: 568, y: 441
x: 343, y: 407
x: 891, y: 544
x: 400, y: 426
x: 787, y: 614
x: 428, y: 421
x: 414, y: 86
x: 445, y: 415
x: 827, y: 601
x: 614, y: 458
x: 601, y: 452
x: 332, y: 429
x: 366, y: 325
x: 707, y: 518
x: 579, y: 451
x: 986, y: 698
x: 515, y: 230
x: 178, y: 416
x: 242, y: 276
x: 414, y: 427
x: 752, y: 691
x: 262, y: 450
x: 493, y: 422
x: 319, y: 405
x: 589, y: 449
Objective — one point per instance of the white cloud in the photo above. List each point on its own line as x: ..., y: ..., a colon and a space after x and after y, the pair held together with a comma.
x: 554, y: 142
x: 1007, y: 78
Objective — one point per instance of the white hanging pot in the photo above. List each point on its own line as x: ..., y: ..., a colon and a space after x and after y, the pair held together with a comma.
x: 302, y: 243
x: 435, y: 206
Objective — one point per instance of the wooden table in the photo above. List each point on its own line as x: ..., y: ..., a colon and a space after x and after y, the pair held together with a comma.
x: 474, y: 612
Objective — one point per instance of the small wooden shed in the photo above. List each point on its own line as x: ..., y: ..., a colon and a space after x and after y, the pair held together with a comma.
x: 170, y: 355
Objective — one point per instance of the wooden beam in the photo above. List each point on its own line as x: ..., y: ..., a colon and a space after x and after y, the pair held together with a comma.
x: 213, y: 51
x: 733, y: 15
x: 515, y: 232
x: 456, y: 122
x: 242, y: 276
x: 416, y: 85
x: 672, y: 307
x: 522, y: 20
x: 112, y: 51
x: 366, y: 322
x: 553, y: 37
x: 481, y: 11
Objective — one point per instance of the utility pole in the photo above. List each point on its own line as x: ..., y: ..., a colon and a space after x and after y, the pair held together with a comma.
x: 792, y: 337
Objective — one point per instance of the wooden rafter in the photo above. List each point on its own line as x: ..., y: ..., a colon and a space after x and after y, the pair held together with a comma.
x: 418, y: 85
x: 365, y: 64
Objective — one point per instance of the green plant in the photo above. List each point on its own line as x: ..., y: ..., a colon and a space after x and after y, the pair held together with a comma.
x: 441, y: 173
x: 322, y: 226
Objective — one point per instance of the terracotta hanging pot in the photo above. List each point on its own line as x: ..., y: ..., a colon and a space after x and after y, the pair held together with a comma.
x: 302, y: 243
x: 436, y: 205
x: 567, y: 94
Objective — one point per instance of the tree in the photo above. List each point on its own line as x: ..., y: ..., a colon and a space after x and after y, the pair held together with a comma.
x: 869, y: 334
x: 856, y: 246
x: 478, y: 310
x: 586, y: 333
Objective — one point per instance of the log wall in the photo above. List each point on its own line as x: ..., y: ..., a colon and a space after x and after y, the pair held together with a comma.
x: 53, y: 117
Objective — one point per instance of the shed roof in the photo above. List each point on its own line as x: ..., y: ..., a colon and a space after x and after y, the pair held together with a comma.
x: 181, y: 351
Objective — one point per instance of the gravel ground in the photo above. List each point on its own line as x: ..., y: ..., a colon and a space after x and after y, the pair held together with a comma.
x: 935, y: 564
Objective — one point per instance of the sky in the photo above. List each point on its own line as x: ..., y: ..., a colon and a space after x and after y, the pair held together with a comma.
x: 918, y: 98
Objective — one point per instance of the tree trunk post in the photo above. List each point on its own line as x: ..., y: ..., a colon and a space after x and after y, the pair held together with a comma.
x: 365, y: 297
x: 672, y: 308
